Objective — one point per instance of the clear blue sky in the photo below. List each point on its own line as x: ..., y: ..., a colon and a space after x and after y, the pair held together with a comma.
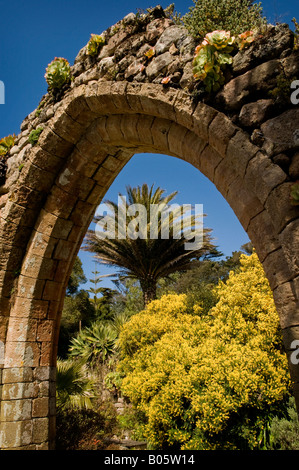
x: 34, y: 32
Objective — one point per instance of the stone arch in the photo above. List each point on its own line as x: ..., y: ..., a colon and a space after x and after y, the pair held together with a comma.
x: 88, y: 138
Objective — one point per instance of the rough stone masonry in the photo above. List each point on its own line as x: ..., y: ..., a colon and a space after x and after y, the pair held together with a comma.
x: 243, y: 138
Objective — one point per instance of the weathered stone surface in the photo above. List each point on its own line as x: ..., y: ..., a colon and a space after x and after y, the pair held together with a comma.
x: 253, y: 114
x: 271, y: 175
x: 238, y: 90
x: 276, y: 40
x: 294, y: 166
x: 291, y: 65
x: 172, y: 35
x: 282, y: 132
x: 158, y: 65
x: 155, y: 28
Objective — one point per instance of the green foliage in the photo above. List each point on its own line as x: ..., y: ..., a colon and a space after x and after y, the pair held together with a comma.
x: 281, y: 92
x: 132, y: 421
x: 208, y: 382
x: 58, y: 73
x: 95, y: 43
x: 134, y: 250
x: 235, y: 16
x: 113, y: 380
x: 171, y: 13
x: 295, y: 194
x: 101, y: 298
x: 83, y: 429
x: 74, y: 389
x: 77, y: 277
x: 77, y: 311
x: 94, y: 344
x: 34, y: 135
x: 214, y: 54
x: 6, y: 143
x: 211, y: 57
x: 285, y: 431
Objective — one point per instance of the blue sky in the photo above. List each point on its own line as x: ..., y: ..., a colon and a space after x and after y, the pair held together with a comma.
x: 34, y: 32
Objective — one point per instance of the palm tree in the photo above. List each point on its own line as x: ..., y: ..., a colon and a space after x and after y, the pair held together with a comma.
x: 74, y: 389
x: 138, y: 253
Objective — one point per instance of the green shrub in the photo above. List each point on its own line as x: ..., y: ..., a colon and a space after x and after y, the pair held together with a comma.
x: 58, y: 73
x: 285, y: 432
x: 235, y: 16
x: 34, y: 135
x: 84, y: 429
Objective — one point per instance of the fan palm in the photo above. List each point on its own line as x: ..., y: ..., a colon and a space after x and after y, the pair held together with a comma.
x: 140, y: 255
x: 74, y: 389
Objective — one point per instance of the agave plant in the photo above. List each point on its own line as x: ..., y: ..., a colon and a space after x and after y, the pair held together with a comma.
x: 94, y: 344
x: 74, y: 389
x: 58, y: 73
x: 6, y: 143
x: 95, y: 43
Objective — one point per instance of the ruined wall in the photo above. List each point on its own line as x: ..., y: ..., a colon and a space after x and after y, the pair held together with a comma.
x: 244, y: 138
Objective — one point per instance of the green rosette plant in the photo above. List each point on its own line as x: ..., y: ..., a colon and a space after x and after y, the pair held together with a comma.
x: 6, y: 143
x: 58, y: 73
x: 95, y: 43
x: 214, y: 54
x: 211, y: 56
x: 245, y: 39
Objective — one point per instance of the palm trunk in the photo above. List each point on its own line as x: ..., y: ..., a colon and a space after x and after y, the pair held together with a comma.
x: 149, y: 289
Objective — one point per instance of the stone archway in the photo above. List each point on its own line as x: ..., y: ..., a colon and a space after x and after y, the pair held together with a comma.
x: 87, y: 138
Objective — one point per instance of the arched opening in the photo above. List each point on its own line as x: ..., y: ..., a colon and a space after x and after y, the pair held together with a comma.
x: 95, y: 131
x: 193, y: 187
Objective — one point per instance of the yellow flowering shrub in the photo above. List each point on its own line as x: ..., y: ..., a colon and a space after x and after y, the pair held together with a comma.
x: 212, y: 381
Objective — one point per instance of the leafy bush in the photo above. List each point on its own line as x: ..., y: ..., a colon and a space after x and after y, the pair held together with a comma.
x: 95, y: 43
x: 235, y: 16
x: 285, y: 431
x: 58, y: 73
x: 211, y: 382
x: 6, y: 143
x: 84, y: 429
x: 34, y: 135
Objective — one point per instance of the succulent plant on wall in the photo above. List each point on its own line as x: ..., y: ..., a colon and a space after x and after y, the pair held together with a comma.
x: 95, y: 43
x: 58, y: 73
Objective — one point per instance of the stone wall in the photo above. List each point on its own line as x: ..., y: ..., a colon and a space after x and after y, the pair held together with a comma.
x: 243, y: 138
